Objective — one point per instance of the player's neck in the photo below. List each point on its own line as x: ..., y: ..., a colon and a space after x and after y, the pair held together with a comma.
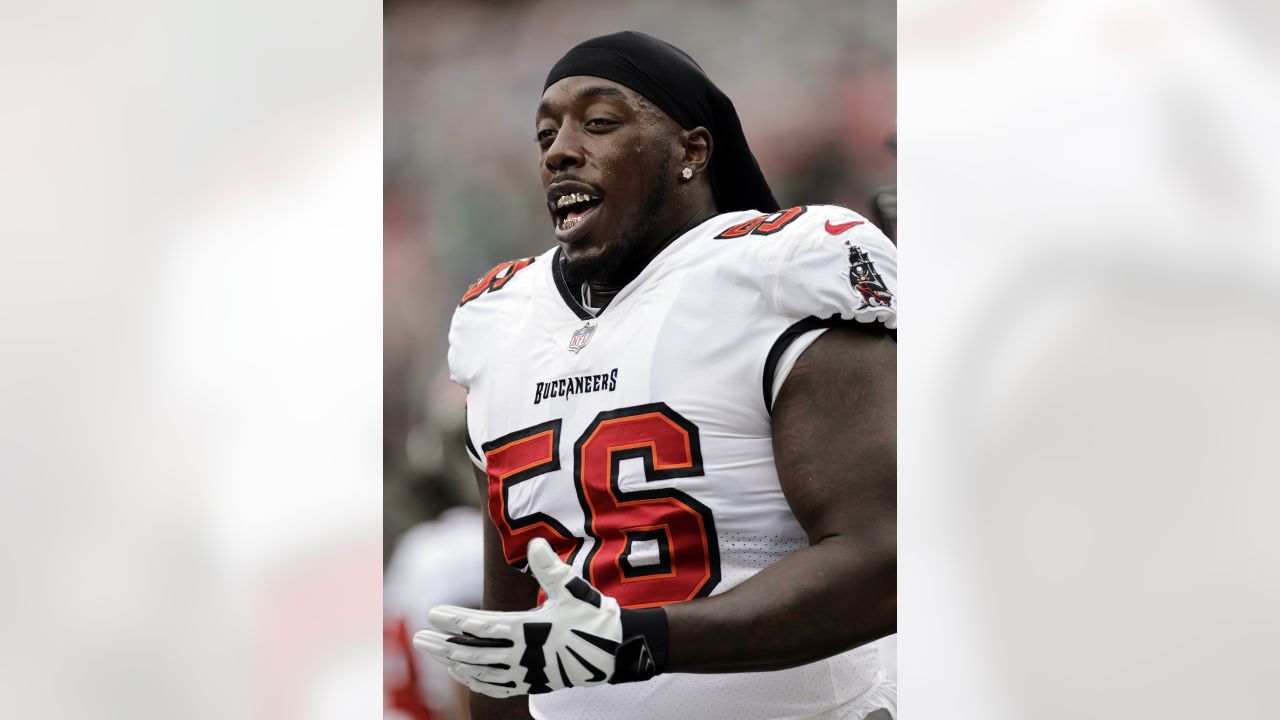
x: 599, y: 293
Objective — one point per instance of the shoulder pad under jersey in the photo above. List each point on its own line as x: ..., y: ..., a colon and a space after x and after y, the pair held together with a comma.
x: 480, y: 309
x: 821, y: 261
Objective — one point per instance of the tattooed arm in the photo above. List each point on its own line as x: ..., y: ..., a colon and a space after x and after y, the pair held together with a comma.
x: 834, y: 440
x: 505, y: 588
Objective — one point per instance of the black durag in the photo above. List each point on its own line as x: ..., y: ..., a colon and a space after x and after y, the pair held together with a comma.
x: 667, y: 77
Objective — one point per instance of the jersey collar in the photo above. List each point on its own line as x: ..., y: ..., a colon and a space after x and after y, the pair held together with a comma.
x: 570, y: 295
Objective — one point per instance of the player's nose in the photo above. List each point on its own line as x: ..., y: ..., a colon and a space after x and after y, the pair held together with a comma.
x: 565, y: 152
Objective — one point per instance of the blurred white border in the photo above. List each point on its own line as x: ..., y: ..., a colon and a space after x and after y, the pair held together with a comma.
x: 1087, y: 237
x: 191, y: 459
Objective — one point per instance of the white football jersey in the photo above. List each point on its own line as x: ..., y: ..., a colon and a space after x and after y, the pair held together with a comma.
x: 638, y: 443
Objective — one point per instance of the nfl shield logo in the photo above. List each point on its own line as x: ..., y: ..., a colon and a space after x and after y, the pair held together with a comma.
x: 581, y: 337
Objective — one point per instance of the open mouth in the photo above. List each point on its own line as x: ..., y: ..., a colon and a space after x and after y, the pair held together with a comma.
x: 572, y: 210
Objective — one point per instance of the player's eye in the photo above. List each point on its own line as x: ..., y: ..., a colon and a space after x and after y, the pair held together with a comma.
x: 601, y: 123
x: 545, y: 136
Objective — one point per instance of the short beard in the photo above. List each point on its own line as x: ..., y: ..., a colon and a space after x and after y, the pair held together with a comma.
x: 620, y: 264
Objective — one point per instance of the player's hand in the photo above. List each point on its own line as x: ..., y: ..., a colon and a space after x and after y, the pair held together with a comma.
x: 575, y: 639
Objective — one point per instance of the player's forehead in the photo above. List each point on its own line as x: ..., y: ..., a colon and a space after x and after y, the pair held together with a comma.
x: 579, y: 89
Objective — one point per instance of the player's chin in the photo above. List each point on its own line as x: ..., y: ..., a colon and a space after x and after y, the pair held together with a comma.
x: 586, y: 257
x: 587, y: 248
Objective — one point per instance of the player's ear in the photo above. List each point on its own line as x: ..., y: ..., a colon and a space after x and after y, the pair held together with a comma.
x: 696, y: 144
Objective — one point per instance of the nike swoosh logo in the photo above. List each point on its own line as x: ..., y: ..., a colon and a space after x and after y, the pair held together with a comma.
x: 597, y: 675
x: 837, y: 229
x: 604, y: 644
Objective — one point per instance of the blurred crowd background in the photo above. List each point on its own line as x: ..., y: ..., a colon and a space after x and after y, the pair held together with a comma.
x: 814, y: 84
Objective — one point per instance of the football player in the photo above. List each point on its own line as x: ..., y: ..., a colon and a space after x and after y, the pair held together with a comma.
x: 683, y: 416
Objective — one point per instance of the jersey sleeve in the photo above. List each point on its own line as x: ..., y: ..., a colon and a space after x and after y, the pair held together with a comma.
x: 819, y: 266
x: 833, y: 263
x: 465, y: 354
x: 484, y: 306
x: 481, y: 307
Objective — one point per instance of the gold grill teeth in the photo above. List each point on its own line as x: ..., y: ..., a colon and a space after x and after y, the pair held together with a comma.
x: 571, y: 199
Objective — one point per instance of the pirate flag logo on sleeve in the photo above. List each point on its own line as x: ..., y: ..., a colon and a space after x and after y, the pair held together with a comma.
x: 866, y: 281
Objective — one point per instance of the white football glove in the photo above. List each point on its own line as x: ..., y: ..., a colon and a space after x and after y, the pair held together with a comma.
x: 576, y: 639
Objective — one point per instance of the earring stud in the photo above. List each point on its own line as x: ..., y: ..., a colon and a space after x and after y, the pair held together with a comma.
x: 686, y: 173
